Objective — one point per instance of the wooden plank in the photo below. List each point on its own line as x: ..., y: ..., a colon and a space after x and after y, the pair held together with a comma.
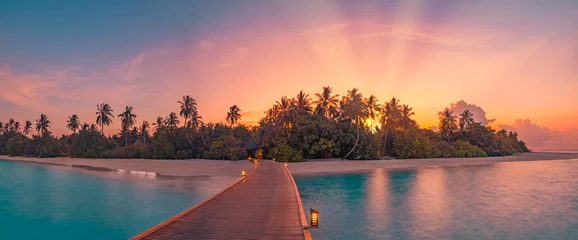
x: 263, y: 205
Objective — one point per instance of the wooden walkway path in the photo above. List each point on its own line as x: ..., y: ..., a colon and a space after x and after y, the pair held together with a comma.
x: 263, y: 205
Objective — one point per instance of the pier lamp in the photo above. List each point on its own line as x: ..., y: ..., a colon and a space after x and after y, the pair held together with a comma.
x: 314, y: 217
x: 244, y: 173
x: 273, y: 159
x: 285, y: 164
x: 249, y: 159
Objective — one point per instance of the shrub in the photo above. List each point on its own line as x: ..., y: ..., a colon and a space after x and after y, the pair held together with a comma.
x: 16, y: 145
x: 130, y: 151
x: 50, y: 148
x: 236, y: 153
x: 285, y: 153
x: 91, y: 144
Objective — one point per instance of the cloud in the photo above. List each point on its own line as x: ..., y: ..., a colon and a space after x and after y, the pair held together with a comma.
x: 540, y: 138
x: 479, y: 113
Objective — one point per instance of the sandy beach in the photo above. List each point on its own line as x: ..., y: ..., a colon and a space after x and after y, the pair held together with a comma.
x: 194, y: 168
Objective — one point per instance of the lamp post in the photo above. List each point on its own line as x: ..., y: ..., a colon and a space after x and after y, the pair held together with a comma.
x: 243, y: 173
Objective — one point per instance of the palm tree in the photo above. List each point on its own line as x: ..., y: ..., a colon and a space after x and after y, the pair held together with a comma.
x: 172, y: 120
x: 188, y: 107
x: 42, y: 124
x: 144, y: 131
x: 286, y: 110
x: 302, y: 103
x: 73, y: 123
x: 326, y: 103
x: 390, y: 118
x: 127, y: 119
x: 104, y: 112
x: 159, y: 123
x: 448, y: 123
x: 373, y: 108
x: 85, y: 127
x: 234, y: 115
x: 354, y: 109
x: 196, y: 120
x: 27, y: 127
x: 11, y: 123
x: 466, y: 119
x: 92, y: 127
x: 406, y: 114
x: 17, y: 127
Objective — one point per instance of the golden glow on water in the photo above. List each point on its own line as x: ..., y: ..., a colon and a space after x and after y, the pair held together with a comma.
x: 377, y: 205
x: 429, y: 201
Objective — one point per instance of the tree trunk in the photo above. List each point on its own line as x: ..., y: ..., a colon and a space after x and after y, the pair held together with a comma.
x: 356, y: 141
x: 126, y: 139
x: 385, y: 142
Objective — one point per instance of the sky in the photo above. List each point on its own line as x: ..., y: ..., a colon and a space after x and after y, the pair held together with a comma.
x: 514, y: 61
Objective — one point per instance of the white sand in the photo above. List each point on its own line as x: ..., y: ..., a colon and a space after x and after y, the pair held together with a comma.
x: 199, y: 168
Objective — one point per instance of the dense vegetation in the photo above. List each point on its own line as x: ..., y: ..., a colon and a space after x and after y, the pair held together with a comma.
x: 294, y: 129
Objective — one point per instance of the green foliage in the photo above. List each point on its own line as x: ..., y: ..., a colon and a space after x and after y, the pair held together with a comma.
x: 161, y: 146
x: 16, y: 146
x: 50, y: 149
x: 91, y: 144
x: 130, y: 151
x: 294, y: 129
x: 285, y: 153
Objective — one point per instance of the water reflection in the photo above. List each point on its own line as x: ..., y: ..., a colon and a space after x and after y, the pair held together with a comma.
x: 429, y: 204
x: 377, y: 206
x: 523, y: 200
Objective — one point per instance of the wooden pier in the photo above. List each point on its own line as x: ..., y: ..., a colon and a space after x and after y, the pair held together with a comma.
x: 264, y: 204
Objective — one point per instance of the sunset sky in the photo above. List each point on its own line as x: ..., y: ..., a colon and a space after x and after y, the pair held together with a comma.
x: 516, y: 60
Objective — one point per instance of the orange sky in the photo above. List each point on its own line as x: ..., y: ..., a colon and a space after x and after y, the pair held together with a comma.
x: 418, y: 53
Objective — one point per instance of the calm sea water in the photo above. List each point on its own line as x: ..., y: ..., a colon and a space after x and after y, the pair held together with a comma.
x: 521, y: 200
x: 40, y: 202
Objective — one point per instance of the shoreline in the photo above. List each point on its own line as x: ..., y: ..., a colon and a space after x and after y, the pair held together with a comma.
x: 201, y: 168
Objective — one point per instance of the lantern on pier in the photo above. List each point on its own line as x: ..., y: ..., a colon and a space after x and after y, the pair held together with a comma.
x: 243, y: 173
x: 285, y: 165
x: 314, y: 217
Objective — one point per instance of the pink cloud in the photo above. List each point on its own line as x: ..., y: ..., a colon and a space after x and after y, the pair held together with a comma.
x: 479, y: 113
x: 540, y: 138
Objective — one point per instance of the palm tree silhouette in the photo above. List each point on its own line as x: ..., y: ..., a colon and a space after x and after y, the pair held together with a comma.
x: 373, y: 108
x: 104, y: 115
x: 42, y: 124
x: 466, y: 119
x: 354, y: 109
x: 406, y: 113
x: 27, y: 127
x: 188, y: 108
x: 144, y: 130
x: 127, y: 119
x: 234, y: 115
x: 302, y: 103
x: 17, y: 127
x: 326, y: 103
x: 73, y: 123
x: 172, y: 120
x: 448, y: 123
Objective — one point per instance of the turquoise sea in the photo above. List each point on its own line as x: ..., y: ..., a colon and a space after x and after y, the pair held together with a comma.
x: 522, y: 200
x: 46, y: 202
x: 518, y: 200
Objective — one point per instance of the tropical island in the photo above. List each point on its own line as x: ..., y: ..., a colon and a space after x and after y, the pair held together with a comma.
x: 294, y: 129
